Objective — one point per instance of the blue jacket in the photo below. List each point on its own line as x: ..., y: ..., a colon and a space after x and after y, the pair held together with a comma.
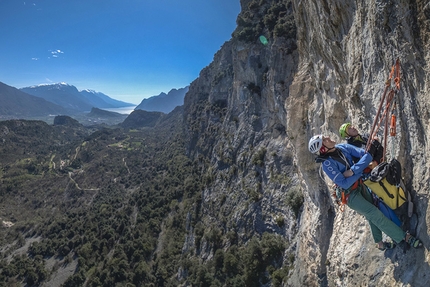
x: 334, y: 169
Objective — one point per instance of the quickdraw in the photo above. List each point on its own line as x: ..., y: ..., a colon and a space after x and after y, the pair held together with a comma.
x: 392, y: 87
x: 342, y: 200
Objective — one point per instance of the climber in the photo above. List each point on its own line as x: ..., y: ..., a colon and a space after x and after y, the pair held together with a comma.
x: 350, y: 133
x: 337, y: 163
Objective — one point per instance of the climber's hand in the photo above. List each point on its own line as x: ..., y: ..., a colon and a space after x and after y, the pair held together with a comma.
x: 374, y: 147
x: 348, y: 173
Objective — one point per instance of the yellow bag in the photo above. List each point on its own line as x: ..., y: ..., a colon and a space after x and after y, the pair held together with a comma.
x: 393, y: 196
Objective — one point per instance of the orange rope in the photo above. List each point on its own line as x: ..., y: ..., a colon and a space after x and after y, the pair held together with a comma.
x: 374, y: 127
x: 394, y: 84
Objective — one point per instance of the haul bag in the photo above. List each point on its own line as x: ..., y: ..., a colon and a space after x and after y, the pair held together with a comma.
x: 392, y: 195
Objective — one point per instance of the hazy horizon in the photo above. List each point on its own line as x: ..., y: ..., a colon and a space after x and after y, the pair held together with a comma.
x: 128, y: 50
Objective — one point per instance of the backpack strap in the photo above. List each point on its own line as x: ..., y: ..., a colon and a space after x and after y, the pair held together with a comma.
x: 336, y: 155
x: 386, y: 191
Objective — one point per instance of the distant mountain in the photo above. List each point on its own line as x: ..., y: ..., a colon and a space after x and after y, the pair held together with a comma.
x: 17, y: 103
x: 61, y: 94
x: 100, y: 100
x: 70, y: 98
x: 140, y: 118
x: 164, y: 102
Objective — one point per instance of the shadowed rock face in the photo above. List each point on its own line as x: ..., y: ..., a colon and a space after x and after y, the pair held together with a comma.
x: 276, y: 96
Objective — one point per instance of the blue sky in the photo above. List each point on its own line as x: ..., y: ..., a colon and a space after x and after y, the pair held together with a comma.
x: 127, y: 49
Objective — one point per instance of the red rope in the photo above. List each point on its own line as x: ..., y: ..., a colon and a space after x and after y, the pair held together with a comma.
x: 395, y: 87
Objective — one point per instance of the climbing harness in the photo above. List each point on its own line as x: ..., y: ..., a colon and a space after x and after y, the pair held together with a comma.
x: 341, y: 195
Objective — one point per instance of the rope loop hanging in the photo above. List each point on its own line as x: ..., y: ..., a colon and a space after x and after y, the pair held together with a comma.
x: 392, y: 87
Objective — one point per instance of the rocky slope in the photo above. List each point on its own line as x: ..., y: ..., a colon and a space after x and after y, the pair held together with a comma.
x: 253, y: 110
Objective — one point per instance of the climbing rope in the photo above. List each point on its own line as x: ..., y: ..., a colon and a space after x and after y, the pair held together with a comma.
x: 392, y: 87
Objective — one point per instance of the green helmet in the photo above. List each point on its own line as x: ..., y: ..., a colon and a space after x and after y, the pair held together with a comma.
x: 343, y: 130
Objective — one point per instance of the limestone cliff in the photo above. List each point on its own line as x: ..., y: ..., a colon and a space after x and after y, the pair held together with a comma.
x: 346, y: 50
x: 251, y: 112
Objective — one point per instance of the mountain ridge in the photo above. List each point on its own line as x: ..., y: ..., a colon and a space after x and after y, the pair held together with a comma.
x: 69, y: 97
x: 16, y: 103
x: 164, y: 102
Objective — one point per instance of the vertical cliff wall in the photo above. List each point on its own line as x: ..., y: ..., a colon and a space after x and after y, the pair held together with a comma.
x: 251, y: 112
x: 346, y: 49
x: 236, y: 122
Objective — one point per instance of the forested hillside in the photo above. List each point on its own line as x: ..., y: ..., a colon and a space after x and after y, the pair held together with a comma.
x: 110, y: 207
x: 97, y: 202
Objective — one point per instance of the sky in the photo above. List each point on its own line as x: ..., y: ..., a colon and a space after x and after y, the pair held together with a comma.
x: 126, y: 49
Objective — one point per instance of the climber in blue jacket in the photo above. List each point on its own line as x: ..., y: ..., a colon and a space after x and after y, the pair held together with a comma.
x: 337, y: 164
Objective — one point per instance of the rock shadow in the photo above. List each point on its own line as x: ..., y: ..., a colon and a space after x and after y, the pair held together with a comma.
x: 410, y: 265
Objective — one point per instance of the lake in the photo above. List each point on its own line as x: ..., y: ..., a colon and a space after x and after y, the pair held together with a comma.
x: 123, y: 110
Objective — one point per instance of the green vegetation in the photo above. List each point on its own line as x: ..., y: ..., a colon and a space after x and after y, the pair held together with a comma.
x: 258, y: 158
x: 108, y: 209
x: 254, y: 264
x: 116, y: 205
x: 271, y: 18
x: 294, y: 200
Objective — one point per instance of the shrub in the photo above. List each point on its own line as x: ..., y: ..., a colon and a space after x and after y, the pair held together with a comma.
x: 278, y: 276
x: 272, y: 246
x: 258, y: 158
x: 294, y: 200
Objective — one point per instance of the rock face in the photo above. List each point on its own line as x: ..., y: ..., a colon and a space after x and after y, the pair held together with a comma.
x: 346, y: 51
x: 253, y: 110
